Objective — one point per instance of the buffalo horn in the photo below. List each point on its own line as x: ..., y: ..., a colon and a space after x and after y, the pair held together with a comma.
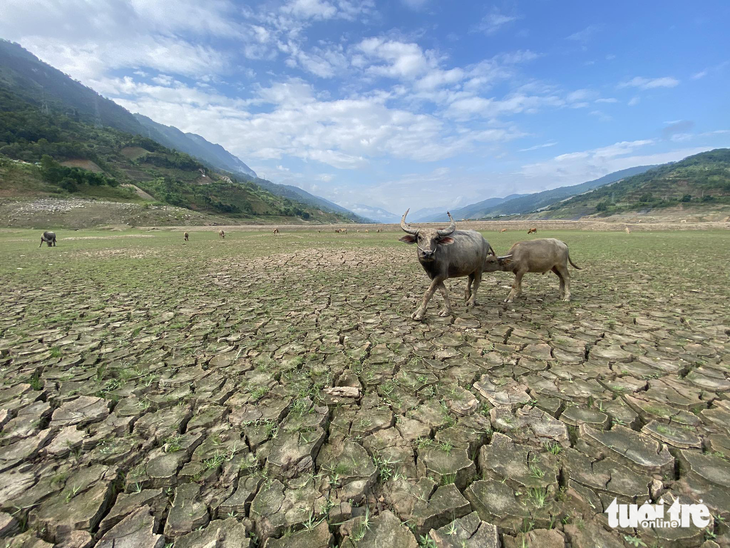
x: 450, y: 229
x: 404, y: 226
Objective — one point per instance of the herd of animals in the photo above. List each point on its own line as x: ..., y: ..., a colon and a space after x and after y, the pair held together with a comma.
x: 450, y: 253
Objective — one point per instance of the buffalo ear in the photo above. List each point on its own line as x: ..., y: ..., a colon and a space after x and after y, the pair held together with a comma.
x: 446, y: 240
x: 408, y: 238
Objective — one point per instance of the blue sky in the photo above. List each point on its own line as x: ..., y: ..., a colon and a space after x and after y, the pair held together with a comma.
x: 409, y: 103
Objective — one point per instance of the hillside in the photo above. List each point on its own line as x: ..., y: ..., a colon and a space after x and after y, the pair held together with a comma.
x: 518, y: 204
x: 699, y: 180
x: 41, y: 145
x: 49, y: 89
x: 295, y: 193
x: 195, y: 145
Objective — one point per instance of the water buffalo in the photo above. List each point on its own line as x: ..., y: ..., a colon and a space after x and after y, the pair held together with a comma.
x: 49, y: 238
x: 221, y: 234
x: 448, y: 253
x: 534, y: 256
x: 186, y: 236
x: 533, y: 230
x: 276, y: 231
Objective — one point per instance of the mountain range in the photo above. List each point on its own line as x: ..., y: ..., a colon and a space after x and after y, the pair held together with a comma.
x: 195, y: 145
x: 698, y: 180
x: 23, y: 73
x: 48, y: 113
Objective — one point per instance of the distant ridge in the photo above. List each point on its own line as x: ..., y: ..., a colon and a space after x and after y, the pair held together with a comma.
x: 518, y: 204
x: 701, y: 179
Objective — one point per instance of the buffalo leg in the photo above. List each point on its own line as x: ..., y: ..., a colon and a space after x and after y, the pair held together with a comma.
x: 477, y: 281
x: 467, y: 293
x: 41, y: 243
x: 564, y: 275
x: 446, y: 311
x: 419, y: 313
x: 516, y: 287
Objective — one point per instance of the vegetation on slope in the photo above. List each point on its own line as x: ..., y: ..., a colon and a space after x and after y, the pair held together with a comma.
x: 700, y: 179
x: 43, y: 134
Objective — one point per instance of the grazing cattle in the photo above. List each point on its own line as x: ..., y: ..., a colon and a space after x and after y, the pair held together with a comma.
x: 276, y: 231
x: 533, y: 230
x: 186, y: 236
x: 448, y: 253
x: 534, y: 256
x: 503, y: 230
x: 628, y: 230
x: 49, y: 238
x: 222, y: 234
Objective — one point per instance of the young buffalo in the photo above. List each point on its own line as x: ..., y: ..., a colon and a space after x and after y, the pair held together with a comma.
x: 540, y: 256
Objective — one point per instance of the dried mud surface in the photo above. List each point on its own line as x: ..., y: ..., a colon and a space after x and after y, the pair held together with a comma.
x: 273, y: 391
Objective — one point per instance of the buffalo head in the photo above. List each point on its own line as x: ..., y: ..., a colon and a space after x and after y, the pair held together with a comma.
x: 495, y: 264
x: 428, y: 240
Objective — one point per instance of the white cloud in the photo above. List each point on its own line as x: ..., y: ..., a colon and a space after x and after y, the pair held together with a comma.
x: 585, y: 34
x: 315, y: 9
x: 537, y: 147
x: 602, y: 116
x: 324, y: 9
x: 415, y: 4
x: 650, y: 83
x: 470, y: 107
x: 634, y: 101
x: 494, y: 21
x: 398, y: 59
x: 606, y: 100
x: 345, y: 133
x: 682, y: 137
x: 710, y: 70
x: 88, y: 38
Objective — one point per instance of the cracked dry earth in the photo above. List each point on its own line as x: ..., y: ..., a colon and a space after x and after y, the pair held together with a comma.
x: 273, y: 391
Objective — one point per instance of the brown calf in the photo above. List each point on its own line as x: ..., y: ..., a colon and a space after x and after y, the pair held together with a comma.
x: 542, y: 255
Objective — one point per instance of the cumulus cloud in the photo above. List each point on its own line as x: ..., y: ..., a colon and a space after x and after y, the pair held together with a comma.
x: 469, y: 107
x: 291, y: 121
x: 88, y: 38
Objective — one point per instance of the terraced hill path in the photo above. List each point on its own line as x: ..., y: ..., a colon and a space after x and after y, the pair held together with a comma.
x: 273, y: 391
